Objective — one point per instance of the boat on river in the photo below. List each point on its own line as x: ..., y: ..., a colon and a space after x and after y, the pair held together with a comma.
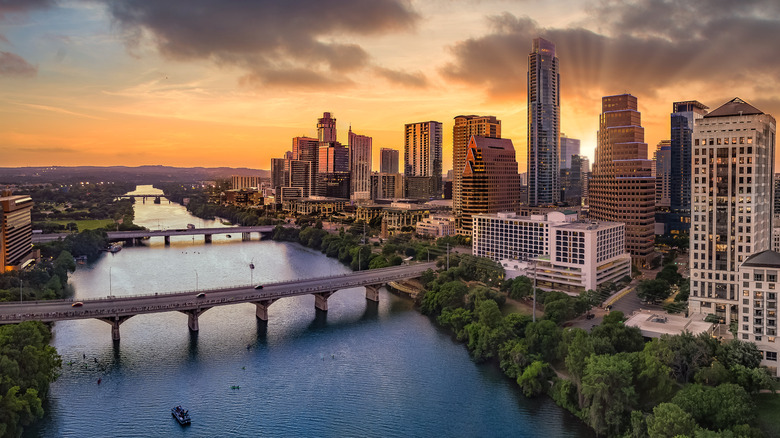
x: 181, y: 415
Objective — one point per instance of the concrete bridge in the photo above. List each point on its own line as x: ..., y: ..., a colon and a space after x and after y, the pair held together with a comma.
x: 133, y: 236
x: 116, y: 310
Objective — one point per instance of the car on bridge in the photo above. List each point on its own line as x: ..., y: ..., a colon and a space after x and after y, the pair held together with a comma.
x: 77, y: 304
x: 259, y: 286
x: 200, y: 295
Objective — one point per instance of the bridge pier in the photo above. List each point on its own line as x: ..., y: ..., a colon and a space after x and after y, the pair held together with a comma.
x: 262, y: 309
x: 167, y: 240
x: 115, y: 321
x: 321, y: 300
x: 193, y: 315
x: 207, y: 237
x: 246, y: 236
x: 372, y: 292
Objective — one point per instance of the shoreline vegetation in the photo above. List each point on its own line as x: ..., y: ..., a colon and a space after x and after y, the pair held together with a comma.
x: 611, y: 378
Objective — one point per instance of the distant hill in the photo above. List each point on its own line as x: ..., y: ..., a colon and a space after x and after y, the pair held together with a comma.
x: 138, y: 175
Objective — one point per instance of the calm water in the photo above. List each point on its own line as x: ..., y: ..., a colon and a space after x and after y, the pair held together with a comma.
x: 361, y: 369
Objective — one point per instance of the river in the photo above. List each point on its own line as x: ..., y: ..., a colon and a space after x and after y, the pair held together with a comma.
x: 361, y: 369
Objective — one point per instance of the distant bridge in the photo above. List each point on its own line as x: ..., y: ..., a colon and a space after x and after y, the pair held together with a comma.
x: 116, y: 310
x: 131, y: 236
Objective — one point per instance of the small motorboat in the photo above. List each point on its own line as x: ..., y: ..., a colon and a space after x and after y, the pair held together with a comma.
x: 181, y: 415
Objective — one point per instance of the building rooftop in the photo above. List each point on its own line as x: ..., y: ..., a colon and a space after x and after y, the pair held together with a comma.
x: 734, y: 107
x: 655, y: 324
x: 768, y: 259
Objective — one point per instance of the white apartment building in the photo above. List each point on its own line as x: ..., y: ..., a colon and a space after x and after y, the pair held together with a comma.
x: 562, y: 252
x: 758, y: 306
x: 437, y: 226
x: 733, y: 157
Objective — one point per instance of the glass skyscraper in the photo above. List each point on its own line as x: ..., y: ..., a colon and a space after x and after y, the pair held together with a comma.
x: 544, y: 114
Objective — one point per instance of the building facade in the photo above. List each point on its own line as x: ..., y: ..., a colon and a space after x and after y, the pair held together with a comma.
x: 758, y: 305
x: 621, y: 187
x: 663, y: 173
x: 490, y: 183
x: 565, y: 253
x: 464, y: 128
x: 683, y: 118
x: 333, y: 177
x: 359, y: 165
x: 245, y: 182
x: 436, y: 226
x: 15, y: 231
x: 733, y: 160
x: 388, y: 160
x: 569, y: 148
x: 423, y: 159
x: 387, y: 185
x: 544, y: 113
x: 308, y: 149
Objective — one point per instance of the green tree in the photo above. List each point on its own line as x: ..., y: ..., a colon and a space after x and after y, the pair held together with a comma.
x: 543, y: 338
x: 684, y: 354
x: 718, y: 408
x: 609, y: 393
x: 653, y: 290
x: 669, y: 420
x: 534, y: 380
x: 738, y: 352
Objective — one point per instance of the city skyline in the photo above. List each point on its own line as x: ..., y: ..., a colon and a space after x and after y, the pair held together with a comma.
x: 94, y: 83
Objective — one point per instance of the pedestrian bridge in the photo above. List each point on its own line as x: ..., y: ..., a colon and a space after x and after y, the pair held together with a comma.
x: 116, y: 310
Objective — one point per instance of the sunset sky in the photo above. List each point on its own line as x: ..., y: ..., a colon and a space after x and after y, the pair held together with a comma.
x: 229, y: 83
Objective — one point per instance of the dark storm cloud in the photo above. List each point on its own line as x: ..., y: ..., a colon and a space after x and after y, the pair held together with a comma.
x: 12, y: 64
x: 406, y: 79
x: 643, y: 46
x: 278, y: 42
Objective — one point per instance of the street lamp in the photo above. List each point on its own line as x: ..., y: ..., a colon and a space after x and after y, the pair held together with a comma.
x: 20, y: 290
x: 110, y: 293
x: 196, y: 281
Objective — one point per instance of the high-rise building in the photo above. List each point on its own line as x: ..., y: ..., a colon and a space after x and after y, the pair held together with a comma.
x: 359, y: 165
x: 326, y: 129
x: 683, y: 118
x: 333, y: 170
x: 733, y: 160
x: 758, y: 324
x: 465, y: 127
x: 387, y: 185
x: 569, y: 148
x: 663, y: 173
x: 300, y: 176
x: 490, y: 182
x: 621, y: 186
x: 573, y: 179
x: 388, y: 160
x: 776, y: 208
x: 308, y: 149
x: 280, y: 172
x: 423, y: 159
x: 544, y: 114
x: 15, y: 231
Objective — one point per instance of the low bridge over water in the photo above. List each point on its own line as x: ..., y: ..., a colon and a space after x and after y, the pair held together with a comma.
x: 116, y: 310
x: 132, y: 236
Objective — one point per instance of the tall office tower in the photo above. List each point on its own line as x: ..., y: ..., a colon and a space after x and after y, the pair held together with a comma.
x: 308, y: 149
x: 387, y: 185
x: 544, y: 115
x: 490, y: 179
x: 733, y: 160
x: 621, y: 187
x: 15, y: 231
x: 359, y: 165
x: 776, y: 208
x: 423, y: 159
x: 572, y: 180
x: 465, y: 127
x: 300, y: 176
x: 326, y: 128
x: 388, y: 160
x: 280, y: 173
x: 569, y: 148
x: 663, y: 173
x: 333, y: 170
x: 288, y: 155
x: 683, y: 118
